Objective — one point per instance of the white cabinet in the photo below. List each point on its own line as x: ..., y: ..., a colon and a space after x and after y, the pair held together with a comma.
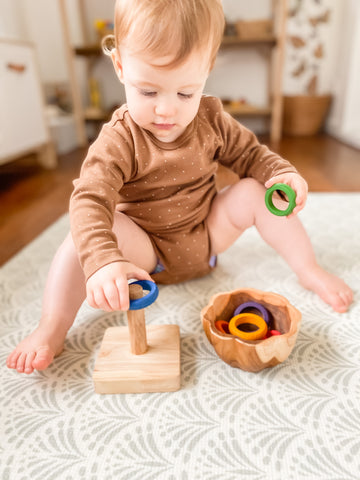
x: 23, y: 127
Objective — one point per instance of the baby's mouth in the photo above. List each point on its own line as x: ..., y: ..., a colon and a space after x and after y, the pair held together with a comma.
x: 164, y: 126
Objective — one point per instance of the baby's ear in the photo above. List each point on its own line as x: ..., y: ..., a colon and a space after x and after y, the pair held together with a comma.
x: 115, y: 57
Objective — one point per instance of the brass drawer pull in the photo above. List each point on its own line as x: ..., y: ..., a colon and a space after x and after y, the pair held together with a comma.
x: 16, y: 67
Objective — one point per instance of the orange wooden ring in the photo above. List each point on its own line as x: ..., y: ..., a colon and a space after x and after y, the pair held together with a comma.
x: 252, y: 319
x: 222, y: 326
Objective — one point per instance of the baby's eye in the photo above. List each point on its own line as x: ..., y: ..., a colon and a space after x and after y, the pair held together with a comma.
x: 185, y: 96
x: 147, y: 93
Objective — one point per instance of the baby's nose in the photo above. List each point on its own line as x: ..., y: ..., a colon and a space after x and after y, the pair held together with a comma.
x: 165, y: 108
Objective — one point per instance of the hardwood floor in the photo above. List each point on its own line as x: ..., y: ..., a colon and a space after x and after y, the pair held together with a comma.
x: 32, y: 198
x: 327, y: 164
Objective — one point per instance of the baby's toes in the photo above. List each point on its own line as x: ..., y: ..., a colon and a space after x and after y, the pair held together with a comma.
x: 349, y: 295
x: 12, y: 359
x: 20, y: 364
x: 28, y: 368
x: 44, y: 356
x: 346, y: 297
x: 339, y: 301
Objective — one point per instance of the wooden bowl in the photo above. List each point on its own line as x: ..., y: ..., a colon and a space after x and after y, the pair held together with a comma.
x: 252, y: 356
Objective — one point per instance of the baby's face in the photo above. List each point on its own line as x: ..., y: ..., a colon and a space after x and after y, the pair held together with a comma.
x: 164, y: 100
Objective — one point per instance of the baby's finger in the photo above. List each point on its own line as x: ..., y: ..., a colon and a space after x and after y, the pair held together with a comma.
x: 298, y: 207
x: 293, y: 213
x: 100, y: 300
x: 111, y: 293
x: 139, y: 274
x: 269, y: 183
x: 123, y: 291
x: 90, y: 299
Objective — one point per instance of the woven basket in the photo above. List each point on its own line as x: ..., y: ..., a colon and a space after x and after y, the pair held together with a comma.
x: 305, y: 114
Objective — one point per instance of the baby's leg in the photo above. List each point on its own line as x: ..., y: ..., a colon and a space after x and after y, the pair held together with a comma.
x: 63, y: 295
x: 242, y: 205
x: 65, y: 291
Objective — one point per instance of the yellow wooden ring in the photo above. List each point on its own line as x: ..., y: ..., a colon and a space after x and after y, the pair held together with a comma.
x: 251, y: 318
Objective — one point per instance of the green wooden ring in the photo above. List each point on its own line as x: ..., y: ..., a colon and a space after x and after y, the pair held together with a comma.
x: 291, y: 195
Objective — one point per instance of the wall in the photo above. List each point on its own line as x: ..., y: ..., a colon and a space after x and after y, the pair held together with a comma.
x: 11, y: 24
x: 323, y: 45
x: 20, y: 19
x: 237, y: 73
x: 312, y: 38
x: 344, y: 118
x: 241, y: 73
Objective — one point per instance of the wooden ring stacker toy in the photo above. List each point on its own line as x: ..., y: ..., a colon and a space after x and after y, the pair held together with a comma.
x: 222, y: 326
x: 139, y: 303
x: 291, y: 195
x: 252, y: 356
x: 248, y: 318
x: 255, y: 306
x: 138, y: 358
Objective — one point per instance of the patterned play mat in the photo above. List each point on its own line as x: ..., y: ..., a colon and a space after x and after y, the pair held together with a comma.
x: 298, y: 420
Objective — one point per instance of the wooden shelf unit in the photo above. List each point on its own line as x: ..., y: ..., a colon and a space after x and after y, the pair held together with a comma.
x: 247, y: 110
x: 233, y: 40
x: 88, y: 50
x: 273, y: 43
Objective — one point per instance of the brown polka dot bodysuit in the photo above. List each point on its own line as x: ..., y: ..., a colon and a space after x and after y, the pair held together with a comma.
x: 166, y: 188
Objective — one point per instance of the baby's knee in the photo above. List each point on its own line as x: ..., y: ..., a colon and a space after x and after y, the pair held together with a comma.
x: 67, y: 247
x: 252, y: 189
x: 253, y: 185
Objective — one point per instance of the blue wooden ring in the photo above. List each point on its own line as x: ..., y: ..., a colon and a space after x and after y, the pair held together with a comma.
x: 291, y: 195
x: 256, y: 306
x: 148, y: 299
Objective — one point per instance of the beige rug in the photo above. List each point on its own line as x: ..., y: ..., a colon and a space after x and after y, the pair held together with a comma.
x: 299, y: 420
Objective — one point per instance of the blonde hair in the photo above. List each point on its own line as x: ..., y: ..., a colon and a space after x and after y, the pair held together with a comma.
x: 167, y: 27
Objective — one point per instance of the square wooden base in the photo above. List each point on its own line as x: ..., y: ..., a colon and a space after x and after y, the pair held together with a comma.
x: 117, y: 370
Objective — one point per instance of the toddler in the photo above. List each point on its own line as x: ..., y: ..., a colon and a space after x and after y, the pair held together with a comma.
x: 145, y: 205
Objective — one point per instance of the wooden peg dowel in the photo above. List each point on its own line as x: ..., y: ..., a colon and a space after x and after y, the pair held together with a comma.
x: 136, y: 323
x: 127, y: 363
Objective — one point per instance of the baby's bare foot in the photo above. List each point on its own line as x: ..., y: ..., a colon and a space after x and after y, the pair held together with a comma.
x: 329, y: 287
x: 36, y: 351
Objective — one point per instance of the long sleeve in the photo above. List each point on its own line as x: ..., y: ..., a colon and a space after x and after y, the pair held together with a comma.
x: 106, y: 167
x: 240, y: 150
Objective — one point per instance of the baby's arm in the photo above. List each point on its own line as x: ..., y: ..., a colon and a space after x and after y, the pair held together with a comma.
x: 108, y: 288
x: 297, y: 183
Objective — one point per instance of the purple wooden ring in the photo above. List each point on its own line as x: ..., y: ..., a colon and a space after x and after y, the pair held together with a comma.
x: 257, y: 306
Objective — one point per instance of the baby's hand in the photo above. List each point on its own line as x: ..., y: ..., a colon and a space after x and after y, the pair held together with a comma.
x: 108, y: 287
x: 297, y: 183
